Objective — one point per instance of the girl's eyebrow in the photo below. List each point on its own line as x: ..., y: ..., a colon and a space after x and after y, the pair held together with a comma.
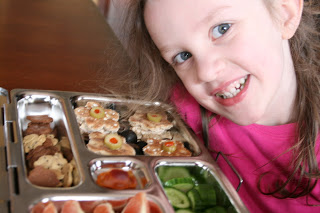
x: 167, y: 53
x: 216, y: 12
x: 165, y: 49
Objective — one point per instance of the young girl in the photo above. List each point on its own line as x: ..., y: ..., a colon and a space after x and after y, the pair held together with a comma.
x: 254, y: 65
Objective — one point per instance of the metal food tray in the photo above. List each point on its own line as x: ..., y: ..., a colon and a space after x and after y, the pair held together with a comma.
x: 18, y: 195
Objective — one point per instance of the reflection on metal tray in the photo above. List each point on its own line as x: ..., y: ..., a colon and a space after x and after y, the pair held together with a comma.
x: 78, y: 169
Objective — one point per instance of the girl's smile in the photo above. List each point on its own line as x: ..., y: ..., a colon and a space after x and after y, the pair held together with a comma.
x: 230, y: 56
x: 233, y: 93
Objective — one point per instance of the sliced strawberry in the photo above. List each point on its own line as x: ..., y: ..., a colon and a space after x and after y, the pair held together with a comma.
x: 88, y: 206
x: 50, y: 208
x: 118, y: 205
x: 153, y: 207
x: 39, y: 207
x: 71, y: 206
x: 137, y: 204
x: 103, y: 208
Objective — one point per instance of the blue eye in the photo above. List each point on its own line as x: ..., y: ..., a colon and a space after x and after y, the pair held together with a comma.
x: 220, y: 30
x: 182, y: 57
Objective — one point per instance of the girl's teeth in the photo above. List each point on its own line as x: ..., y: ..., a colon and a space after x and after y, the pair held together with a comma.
x: 228, y: 94
x: 233, y: 89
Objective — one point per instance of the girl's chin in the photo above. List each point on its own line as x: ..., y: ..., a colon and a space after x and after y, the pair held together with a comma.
x: 243, y: 123
x: 244, y: 120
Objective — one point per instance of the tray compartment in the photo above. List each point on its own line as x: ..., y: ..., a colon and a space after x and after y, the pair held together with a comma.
x: 178, y: 131
x: 49, y: 149
x: 88, y: 203
x: 119, y: 168
x: 197, y: 186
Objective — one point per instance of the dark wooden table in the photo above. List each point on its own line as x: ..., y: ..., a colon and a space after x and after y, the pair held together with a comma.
x: 62, y: 45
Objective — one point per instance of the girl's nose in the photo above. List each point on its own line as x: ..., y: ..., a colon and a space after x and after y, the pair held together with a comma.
x: 209, y: 69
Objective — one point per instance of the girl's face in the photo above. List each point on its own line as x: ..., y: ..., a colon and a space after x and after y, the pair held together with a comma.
x: 229, y: 54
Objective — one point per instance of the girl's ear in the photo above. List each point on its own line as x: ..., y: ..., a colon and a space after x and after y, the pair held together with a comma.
x: 291, y: 16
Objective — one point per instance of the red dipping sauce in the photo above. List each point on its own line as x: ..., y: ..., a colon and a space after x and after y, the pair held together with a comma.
x: 117, y: 179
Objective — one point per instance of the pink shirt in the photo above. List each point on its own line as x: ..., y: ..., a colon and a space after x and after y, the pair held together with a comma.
x: 251, y: 149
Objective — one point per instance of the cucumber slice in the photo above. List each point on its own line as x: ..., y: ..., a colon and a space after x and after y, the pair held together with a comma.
x: 183, y: 184
x: 177, y: 198
x: 184, y: 211
x: 195, y: 200
x: 169, y: 172
x: 202, y: 196
x: 207, y: 194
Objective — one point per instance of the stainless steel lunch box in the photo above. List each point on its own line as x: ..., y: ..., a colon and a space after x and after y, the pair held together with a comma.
x: 17, y: 194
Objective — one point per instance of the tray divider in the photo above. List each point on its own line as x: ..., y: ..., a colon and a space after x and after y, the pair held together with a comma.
x: 14, y: 180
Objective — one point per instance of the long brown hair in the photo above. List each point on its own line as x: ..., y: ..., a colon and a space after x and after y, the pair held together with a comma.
x: 152, y: 79
x: 305, y: 48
